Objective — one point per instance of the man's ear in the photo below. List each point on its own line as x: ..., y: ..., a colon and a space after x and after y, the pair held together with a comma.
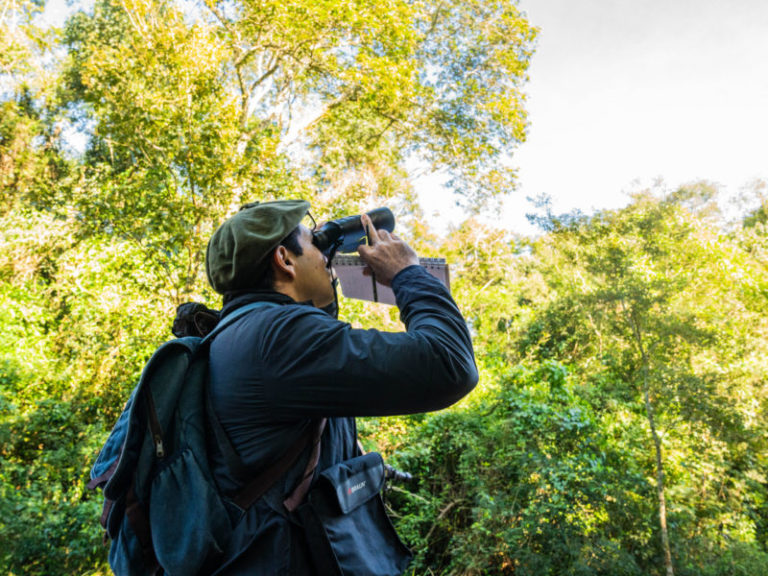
x: 283, y: 263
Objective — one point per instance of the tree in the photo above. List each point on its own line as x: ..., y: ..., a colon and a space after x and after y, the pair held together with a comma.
x: 648, y: 299
x: 30, y: 157
x: 192, y: 117
x: 188, y: 112
x: 524, y: 481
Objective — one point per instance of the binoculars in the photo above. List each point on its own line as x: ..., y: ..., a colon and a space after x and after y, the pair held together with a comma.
x: 346, y: 234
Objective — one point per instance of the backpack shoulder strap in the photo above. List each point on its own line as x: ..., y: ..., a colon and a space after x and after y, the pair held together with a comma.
x: 232, y: 316
x: 231, y: 458
x: 254, y: 488
x: 259, y: 485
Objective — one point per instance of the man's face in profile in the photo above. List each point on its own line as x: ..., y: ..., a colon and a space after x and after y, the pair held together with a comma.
x: 313, y: 279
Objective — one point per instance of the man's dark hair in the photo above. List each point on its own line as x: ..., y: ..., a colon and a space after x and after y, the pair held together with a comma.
x: 291, y: 242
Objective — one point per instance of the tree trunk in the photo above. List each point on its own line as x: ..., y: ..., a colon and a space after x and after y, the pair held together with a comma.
x: 659, y: 462
x: 659, y: 477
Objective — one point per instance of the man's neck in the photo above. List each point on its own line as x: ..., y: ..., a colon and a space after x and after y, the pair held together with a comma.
x: 287, y: 289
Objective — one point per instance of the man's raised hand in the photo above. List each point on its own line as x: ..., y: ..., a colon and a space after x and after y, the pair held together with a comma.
x: 386, y: 254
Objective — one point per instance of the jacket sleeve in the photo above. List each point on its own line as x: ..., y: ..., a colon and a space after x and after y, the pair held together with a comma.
x: 313, y: 365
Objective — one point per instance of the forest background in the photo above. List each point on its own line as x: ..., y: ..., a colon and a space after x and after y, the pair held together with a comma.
x: 619, y: 426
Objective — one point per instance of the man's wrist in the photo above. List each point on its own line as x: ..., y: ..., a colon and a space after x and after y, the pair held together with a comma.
x: 399, y: 276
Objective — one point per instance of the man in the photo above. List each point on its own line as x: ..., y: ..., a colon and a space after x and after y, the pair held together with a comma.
x: 279, y: 368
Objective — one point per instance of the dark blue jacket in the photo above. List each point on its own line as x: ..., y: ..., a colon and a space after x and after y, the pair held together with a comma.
x: 279, y: 367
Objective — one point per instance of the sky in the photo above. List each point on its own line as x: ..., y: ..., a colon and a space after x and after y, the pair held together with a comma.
x: 624, y: 92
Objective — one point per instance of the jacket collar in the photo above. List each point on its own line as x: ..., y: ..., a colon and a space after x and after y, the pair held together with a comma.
x: 234, y: 300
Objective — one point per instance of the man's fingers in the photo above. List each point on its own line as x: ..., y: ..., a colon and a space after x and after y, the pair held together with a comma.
x: 373, y: 234
x: 385, y: 255
x: 384, y: 235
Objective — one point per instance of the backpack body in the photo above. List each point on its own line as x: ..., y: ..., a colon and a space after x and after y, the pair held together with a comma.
x: 162, y: 509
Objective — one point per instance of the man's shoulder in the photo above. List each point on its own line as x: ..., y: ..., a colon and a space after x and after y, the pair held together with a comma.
x: 291, y: 318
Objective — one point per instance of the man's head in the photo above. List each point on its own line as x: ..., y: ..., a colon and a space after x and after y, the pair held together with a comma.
x: 264, y: 245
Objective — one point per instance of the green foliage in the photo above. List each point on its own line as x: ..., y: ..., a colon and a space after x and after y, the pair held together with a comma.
x: 612, y: 348
x: 187, y: 112
x: 555, y: 471
x: 62, y: 388
x: 527, y: 483
x: 47, y: 450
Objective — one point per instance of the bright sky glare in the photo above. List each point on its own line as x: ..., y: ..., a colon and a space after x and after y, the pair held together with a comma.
x: 623, y: 92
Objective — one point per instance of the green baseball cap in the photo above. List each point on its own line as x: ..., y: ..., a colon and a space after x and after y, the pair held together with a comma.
x: 237, y: 251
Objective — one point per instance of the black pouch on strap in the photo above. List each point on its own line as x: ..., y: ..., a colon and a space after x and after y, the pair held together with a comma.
x: 346, y: 525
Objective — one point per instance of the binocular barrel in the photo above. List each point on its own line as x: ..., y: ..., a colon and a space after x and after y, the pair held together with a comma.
x: 346, y: 234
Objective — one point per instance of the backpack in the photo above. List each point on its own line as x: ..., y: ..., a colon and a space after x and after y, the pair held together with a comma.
x: 162, y: 508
